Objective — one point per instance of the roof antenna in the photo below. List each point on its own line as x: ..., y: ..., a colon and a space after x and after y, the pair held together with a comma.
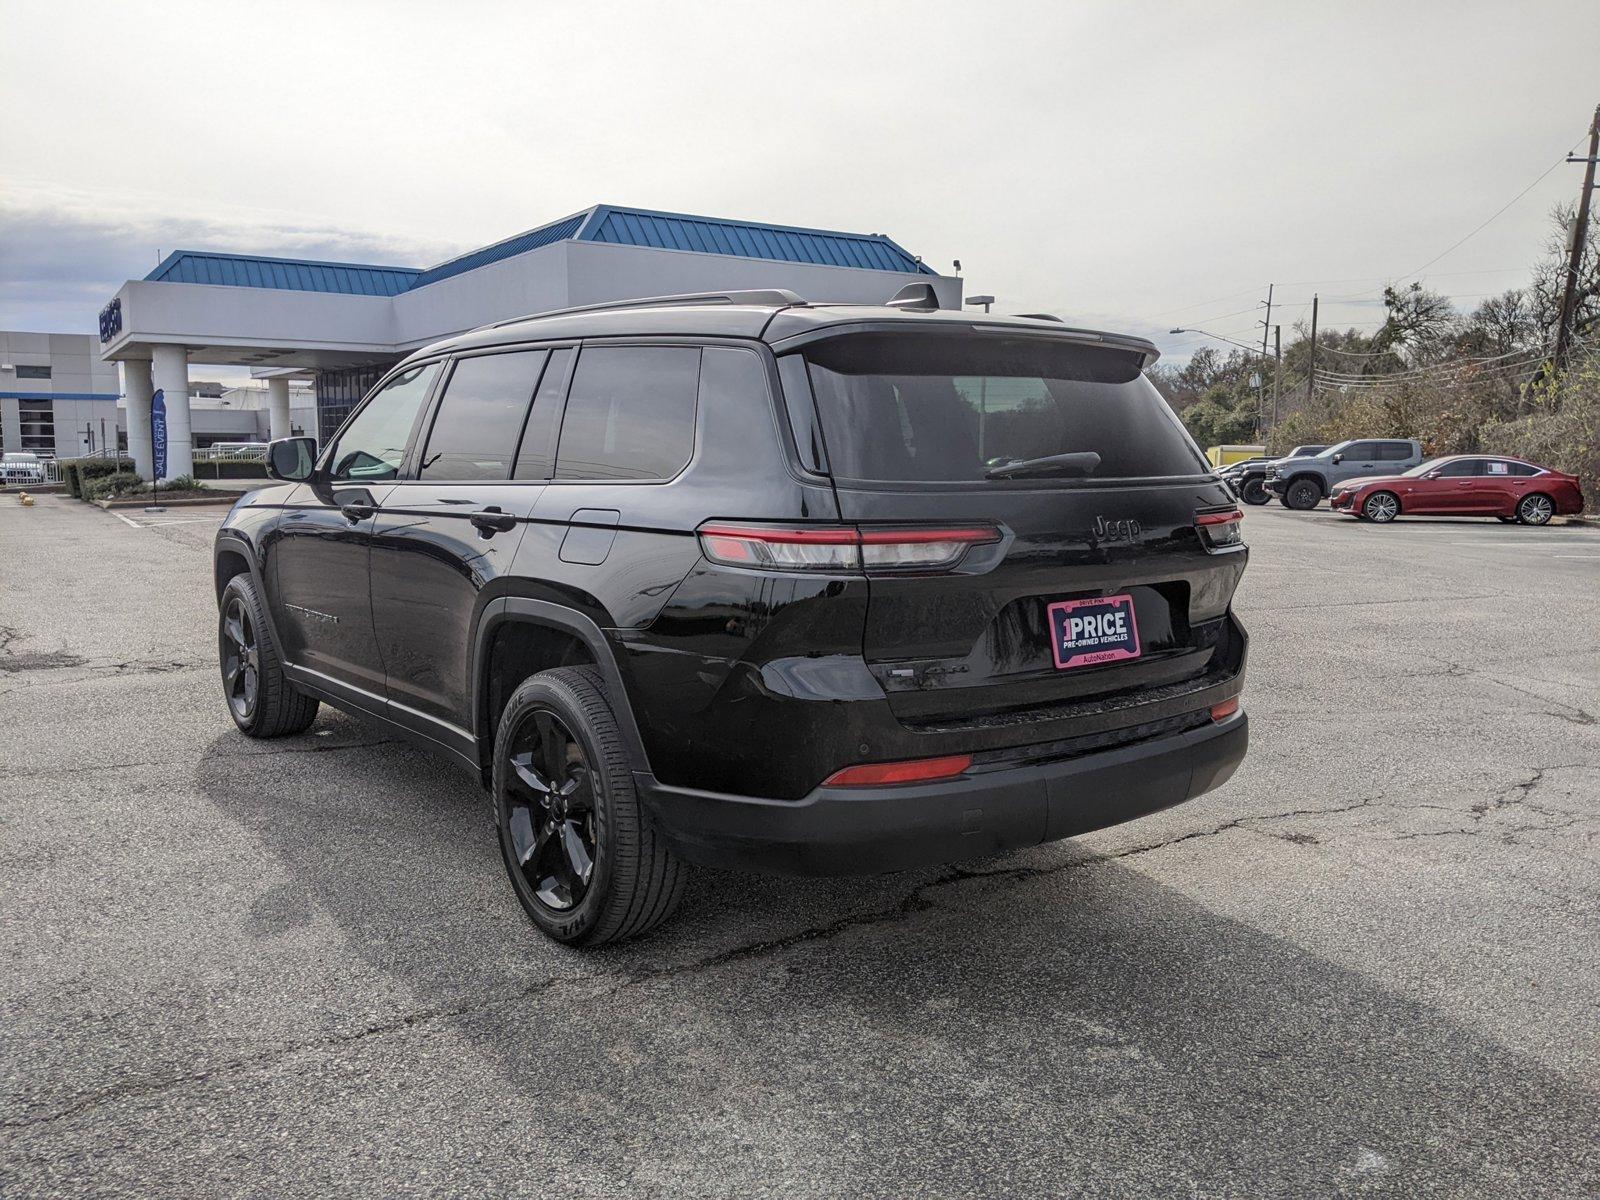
x: 915, y: 297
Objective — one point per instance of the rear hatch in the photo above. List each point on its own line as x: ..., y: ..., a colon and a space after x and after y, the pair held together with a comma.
x: 1100, y: 588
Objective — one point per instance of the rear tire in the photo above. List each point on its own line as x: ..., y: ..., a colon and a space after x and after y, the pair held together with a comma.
x: 1536, y: 509
x: 1255, y: 492
x: 261, y: 700
x: 1381, y: 507
x: 584, y: 864
x: 1303, y: 495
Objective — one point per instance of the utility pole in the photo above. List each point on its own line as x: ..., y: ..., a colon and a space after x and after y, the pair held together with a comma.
x: 1311, y: 376
x: 1277, y: 373
x: 1261, y: 391
x: 1580, y: 234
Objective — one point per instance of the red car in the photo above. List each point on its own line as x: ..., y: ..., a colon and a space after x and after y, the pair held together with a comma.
x: 1468, y: 485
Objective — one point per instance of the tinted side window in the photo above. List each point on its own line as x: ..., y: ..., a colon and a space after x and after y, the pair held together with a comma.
x: 1461, y: 468
x: 1521, y: 469
x: 536, y: 454
x: 630, y: 413
x: 1359, y: 452
x: 1394, y: 451
x: 373, y: 444
x: 475, y: 425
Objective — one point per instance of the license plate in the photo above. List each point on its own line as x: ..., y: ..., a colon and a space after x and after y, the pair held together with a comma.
x: 1102, y: 630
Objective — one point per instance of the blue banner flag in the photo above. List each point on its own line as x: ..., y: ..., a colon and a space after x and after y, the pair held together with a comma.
x: 158, y: 433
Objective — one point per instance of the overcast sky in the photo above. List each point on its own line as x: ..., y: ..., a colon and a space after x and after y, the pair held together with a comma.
x: 1128, y: 166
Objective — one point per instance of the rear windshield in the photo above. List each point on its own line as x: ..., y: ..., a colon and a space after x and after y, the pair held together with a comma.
x: 920, y: 408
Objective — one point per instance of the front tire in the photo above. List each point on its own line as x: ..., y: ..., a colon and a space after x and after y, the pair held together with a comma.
x: 1536, y: 509
x: 1255, y: 492
x: 261, y: 700
x: 1303, y: 495
x: 584, y: 864
x: 1381, y: 507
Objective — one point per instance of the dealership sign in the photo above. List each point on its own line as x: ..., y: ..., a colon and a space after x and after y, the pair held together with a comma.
x: 111, y: 320
x: 158, y: 433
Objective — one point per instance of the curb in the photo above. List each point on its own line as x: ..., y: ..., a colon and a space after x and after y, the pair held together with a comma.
x: 167, y: 501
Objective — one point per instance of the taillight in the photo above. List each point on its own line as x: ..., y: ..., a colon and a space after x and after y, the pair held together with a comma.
x: 841, y: 547
x: 1221, y: 712
x: 1221, y: 530
x: 916, y: 770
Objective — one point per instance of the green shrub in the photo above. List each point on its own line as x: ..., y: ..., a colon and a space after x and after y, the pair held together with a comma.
x: 109, y: 486
x: 183, y: 483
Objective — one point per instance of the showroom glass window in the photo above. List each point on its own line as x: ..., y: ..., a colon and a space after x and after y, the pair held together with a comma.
x: 630, y: 413
x: 476, y: 425
x: 373, y: 445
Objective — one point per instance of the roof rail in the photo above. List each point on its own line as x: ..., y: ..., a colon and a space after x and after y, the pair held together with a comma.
x: 1041, y: 317
x: 773, y: 297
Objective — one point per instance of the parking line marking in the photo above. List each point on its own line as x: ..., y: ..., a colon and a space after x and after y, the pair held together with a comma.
x: 1575, y: 556
x: 126, y: 521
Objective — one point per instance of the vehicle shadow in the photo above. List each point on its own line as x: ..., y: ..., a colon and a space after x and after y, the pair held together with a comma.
x: 1067, y: 1026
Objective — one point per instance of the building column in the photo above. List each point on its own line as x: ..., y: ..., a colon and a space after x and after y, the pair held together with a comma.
x: 278, y: 407
x: 171, y: 376
x: 136, y: 391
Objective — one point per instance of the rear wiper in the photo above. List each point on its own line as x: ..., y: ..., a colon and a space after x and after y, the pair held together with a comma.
x: 1083, y: 462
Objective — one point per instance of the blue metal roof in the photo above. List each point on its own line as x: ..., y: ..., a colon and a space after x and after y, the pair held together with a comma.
x: 748, y: 239
x: 556, y: 231
x: 292, y: 274
x: 602, y: 223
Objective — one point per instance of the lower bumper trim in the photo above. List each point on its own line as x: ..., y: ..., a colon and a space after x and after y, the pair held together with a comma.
x: 844, y: 831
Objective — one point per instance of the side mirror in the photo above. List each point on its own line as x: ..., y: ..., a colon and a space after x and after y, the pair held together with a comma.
x: 292, y: 459
x: 1337, y: 459
x: 1433, y: 475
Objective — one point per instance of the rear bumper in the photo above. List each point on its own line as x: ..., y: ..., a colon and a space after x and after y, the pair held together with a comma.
x: 841, y: 831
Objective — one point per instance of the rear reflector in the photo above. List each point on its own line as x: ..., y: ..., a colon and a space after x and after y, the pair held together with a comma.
x: 1221, y: 712
x: 840, y: 547
x: 1220, y: 530
x: 917, y: 770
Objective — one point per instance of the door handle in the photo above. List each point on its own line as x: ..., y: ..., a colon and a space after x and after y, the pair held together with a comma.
x: 356, y: 513
x: 492, y: 521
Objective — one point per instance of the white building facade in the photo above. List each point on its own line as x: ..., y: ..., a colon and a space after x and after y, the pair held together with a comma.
x: 343, y: 324
x: 58, y: 399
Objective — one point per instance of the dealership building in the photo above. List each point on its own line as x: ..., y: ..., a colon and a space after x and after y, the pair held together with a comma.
x: 341, y: 325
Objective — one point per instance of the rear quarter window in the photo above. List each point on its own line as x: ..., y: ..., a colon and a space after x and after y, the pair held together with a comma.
x: 630, y: 413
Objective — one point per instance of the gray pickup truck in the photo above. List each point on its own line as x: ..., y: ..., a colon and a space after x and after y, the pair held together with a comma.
x: 1304, y: 483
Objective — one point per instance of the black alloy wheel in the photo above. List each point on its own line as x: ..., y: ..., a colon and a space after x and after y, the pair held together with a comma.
x: 1255, y: 491
x: 1303, y: 495
x: 583, y: 861
x: 241, y: 659
x: 549, y: 811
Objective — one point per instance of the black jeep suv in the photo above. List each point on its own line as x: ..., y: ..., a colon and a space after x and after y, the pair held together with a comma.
x: 742, y: 580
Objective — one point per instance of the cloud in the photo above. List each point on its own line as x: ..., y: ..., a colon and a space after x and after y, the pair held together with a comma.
x: 64, y: 254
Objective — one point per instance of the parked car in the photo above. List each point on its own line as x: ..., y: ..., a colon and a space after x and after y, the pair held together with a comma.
x: 741, y: 580
x: 21, y: 467
x: 1302, y: 483
x: 1470, y: 485
x: 1249, y: 480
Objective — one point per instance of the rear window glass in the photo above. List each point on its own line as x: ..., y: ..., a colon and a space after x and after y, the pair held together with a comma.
x: 920, y: 408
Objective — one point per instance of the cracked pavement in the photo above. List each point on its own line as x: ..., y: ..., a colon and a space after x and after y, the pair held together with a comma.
x: 1370, y: 965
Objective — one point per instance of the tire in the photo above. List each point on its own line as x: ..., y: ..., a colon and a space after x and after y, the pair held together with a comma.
x: 261, y: 700
x: 552, y: 811
x: 1303, y: 495
x: 1380, y: 508
x: 1535, y: 509
x: 1255, y: 492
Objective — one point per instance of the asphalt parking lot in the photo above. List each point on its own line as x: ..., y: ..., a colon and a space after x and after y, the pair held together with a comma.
x: 1370, y: 965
